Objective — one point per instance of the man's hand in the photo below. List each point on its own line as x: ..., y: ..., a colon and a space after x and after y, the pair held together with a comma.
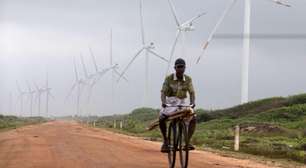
x: 192, y: 105
x: 164, y: 105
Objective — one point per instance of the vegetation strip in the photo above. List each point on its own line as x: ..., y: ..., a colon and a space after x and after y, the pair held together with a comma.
x: 273, y: 127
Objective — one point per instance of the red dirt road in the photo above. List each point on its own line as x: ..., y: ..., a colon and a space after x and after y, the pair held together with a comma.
x: 62, y: 144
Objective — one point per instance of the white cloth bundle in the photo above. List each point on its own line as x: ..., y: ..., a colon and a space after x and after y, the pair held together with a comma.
x: 172, y: 101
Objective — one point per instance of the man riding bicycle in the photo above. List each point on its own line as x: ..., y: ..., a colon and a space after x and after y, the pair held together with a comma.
x: 174, y: 92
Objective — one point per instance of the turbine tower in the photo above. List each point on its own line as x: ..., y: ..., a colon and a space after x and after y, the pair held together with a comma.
x: 148, y: 48
x: 20, y: 97
x: 113, y: 72
x: 11, y: 103
x: 31, y: 94
x: 39, y: 92
x: 246, y: 43
x: 182, y: 29
x: 48, y: 94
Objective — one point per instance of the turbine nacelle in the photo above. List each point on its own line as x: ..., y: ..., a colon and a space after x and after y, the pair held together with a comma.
x: 187, y: 27
x: 115, y: 66
x: 282, y: 3
x: 151, y: 46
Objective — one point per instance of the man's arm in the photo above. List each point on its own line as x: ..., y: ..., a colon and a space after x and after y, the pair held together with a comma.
x: 191, y: 93
x: 192, y: 98
x: 165, y: 88
x: 163, y: 98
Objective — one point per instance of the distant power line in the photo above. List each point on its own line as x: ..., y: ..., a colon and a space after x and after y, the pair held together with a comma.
x: 263, y: 36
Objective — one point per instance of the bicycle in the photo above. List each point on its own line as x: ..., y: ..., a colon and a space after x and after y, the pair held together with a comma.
x: 178, y: 136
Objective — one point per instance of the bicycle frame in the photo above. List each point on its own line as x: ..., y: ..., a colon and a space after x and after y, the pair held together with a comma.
x: 178, y: 141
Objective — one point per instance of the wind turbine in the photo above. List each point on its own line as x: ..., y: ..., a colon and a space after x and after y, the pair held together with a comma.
x: 48, y: 94
x: 39, y: 92
x: 148, y: 48
x: 31, y: 94
x: 113, y: 67
x: 99, y: 73
x: 182, y: 29
x: 77, y: 85
x: 20, y: 97
x: 88, y: 79
x: 246, y: 43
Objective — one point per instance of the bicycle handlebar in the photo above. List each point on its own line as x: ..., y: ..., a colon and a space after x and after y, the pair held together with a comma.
x: 169, y: 105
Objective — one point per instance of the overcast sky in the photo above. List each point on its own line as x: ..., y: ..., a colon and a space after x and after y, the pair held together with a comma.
x: 37, y: 36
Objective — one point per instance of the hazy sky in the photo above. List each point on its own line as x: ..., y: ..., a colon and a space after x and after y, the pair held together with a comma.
x: 43, y: 35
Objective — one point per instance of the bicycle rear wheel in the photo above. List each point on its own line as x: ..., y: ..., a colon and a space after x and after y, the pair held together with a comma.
x: 183, y: 142
x: 172, y: 144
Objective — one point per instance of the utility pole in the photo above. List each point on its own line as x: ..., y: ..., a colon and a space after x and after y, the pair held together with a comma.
x: 121, y: 124
x: 115, y: 124
x: 237, y: 137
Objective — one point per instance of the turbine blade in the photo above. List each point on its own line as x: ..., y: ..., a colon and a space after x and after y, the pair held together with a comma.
x: 114, y: 66
x: 202, y: 52
x: 75, y: 69
x: 173, y: 11
x: 104, y: 71
x: 195, y: 18
x: 178, y: 33
x: 141, y: 23
x: 154, y: 53
x: 83, y: 64
x: 281, y: 3
x: 70, y: 91
x: 51, y: 95
x: 96, y: 81
x: 89, y: 93
x: 211, y: 35
x: 130, y: 63
x: 93, y: 59
x: 118, y: 74
x: 111, y: 47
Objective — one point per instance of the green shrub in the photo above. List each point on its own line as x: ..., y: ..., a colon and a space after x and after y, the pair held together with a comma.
x: 297, y: 99
x: 13, y: 121
x: 203, y: 115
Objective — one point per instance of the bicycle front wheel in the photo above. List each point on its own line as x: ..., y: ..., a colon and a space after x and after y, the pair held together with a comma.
x: 183, y: 142
x: 172, y: 144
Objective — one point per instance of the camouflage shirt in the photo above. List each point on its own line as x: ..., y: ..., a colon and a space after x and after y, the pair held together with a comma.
x: 174, y: 87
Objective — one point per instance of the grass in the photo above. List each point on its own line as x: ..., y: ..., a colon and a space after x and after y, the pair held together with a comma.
x: 273, y: 127
x: 12, y: 122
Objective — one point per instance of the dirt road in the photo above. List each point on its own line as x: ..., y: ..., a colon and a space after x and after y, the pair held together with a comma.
x: 62, y: 144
